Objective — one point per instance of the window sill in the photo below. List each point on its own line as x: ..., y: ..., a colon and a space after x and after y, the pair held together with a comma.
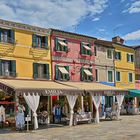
x: 61, y: 51
x: 40, y: 48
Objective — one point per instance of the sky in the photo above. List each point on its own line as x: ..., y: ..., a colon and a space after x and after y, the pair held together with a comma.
x: 102, y: 19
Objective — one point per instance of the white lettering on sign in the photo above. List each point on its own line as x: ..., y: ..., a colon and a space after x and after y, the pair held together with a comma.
x: 53, y: 91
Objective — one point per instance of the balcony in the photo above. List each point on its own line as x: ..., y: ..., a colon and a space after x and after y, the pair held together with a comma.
x: 8, y: 74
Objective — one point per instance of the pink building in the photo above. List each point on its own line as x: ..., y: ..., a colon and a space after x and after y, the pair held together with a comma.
x: 72, y: 56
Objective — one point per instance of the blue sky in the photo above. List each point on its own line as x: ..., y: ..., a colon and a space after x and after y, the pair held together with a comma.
x: 103, y: 19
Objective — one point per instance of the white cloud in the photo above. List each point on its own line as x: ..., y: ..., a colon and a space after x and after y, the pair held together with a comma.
x: 134, y: 7
x: 60, y: 14
x: 101, y: 30
x: 96, y: 19
x: 133, y: 35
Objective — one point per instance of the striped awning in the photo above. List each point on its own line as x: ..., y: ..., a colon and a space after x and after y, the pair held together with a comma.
x: 86, y: 47
x: 62, y: 43
x: 87, y: 72
x: 63, y: 70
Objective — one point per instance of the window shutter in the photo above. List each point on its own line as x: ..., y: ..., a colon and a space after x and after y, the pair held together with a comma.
x: 90, y: 51
x: 47, y: 71
x: 82, y: 74
x: 120, y: 55
x: 90, y: 77
x: 127, y: 57
x: 12, y: 36
x: 46, y: 42
x: 67, y: 75
x: 0, y: 67
x: 13, y: 68
x: 132, y: 58
x: 34, y: 41
x: 81, y: 48
x: 35, y: 70
x: 56, y: 44
x: 66, y: 47
x: 56, y: 72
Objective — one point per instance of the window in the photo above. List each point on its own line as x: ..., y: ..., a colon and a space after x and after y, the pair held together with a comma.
x: 86, y: 49
x: 6, y: 36
x: 41, y: 71
x: 95, y: 51
x: 110, y: 54
x: 130, y: 57
x: 97, y: 75
x: 130, y: 77
x: 110, y: 76
x: 62, y: 73
x: 86, y: 74
x: 8, y: 68
x: 39, y: 41
x: 61, y: 45
x: 118, y: 55
x: 118, y: 76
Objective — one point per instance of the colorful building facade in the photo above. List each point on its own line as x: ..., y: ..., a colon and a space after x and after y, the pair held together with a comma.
x: 124, y: 64
x: 24, y: 51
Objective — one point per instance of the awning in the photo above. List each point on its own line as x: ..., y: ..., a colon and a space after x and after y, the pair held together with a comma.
x: 86, y: 47
x: 19, y: 87
x: 62, y: 43
x: 97, y: 88
x: 134, y: 93
x: 63, y: 70
x: 87, y: 72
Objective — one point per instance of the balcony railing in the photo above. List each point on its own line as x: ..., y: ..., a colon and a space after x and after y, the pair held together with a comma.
x: 43, y: 76
x: 9, y: 74
x: 7, y: 40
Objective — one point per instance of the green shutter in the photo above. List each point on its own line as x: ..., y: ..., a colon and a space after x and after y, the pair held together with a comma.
x: 132, y: 58
x: 34, y: 41
x: 81, y: 48
x: 0, y: 67
x: 82, y: 74
x: 47, y: 71
x: 90, y: 77
x: 90, y: 51
x: 56, y: 72
x: 56, y: 44
x: 46, y: 42
x: 66, y: 47
x: 13, y: 68
x: 67, y: 75
x: 127, y: 57
x: 12, y: 36
x: 120, y: 55
x: 35, y: 70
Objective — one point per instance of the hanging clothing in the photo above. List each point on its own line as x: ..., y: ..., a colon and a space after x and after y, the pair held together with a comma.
x: 2, y: 114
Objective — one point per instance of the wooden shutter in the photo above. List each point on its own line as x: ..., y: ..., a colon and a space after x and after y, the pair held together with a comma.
x: 90, y: 77
x: 81, y: 48
x: 56, y: 72
x: 67, y: 75
x: 132, y: 58
x: 12, y: 36
x: 13, y: 67
x: 56, y: 44
x: 82, y: 74
x: 120, y: 55
x: 47, y: 71
x: 34, y: 41
x: 90, y: 51
x: 35, y: 70
x: 127, y: 57
x: 46, y: 42
x: 0, y: 67
x: 66, y: 47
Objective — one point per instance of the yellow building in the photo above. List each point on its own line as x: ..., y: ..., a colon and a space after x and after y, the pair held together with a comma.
x: 24, y: 51
x: 124, y: 64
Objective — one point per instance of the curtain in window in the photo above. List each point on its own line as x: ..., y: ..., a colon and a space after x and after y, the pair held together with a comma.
x: 71, y: 100
x: 97, y: 100
x: 33, y: 102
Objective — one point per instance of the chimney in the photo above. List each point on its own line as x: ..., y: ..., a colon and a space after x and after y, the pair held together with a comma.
x: 117, y: 39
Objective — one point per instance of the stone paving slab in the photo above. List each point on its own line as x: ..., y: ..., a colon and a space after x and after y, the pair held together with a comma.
x: 128, y: 128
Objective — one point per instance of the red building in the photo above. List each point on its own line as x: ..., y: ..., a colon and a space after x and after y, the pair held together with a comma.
x: 72, y: 56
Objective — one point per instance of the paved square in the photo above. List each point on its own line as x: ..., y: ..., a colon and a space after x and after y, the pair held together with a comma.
x: 127, y: 128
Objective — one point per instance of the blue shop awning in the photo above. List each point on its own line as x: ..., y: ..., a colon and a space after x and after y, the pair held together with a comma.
x: 134, y: 93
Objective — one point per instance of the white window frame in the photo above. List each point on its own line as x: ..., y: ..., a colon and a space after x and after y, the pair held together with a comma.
x: 116, y: 76
x: 111, y: 52
x: 130, y: 57
x: 132, y: 77
x: 112, y: 76
x: 97, y: 74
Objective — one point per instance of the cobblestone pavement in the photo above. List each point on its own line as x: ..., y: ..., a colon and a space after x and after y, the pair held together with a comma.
x: 128, y: 128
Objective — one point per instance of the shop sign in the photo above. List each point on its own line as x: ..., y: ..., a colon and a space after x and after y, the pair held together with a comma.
x: 54, y: 92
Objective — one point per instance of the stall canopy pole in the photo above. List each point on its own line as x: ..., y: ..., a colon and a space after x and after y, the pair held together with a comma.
x: 71, y: 100
x: 96, y: 100
x: 33, y: 102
